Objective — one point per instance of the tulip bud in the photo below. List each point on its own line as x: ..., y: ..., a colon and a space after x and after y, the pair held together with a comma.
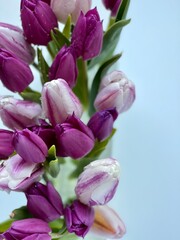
x: 107, y: 223
x: 70, y: 136
x: 15, y: 74
x: 30, y: 229
x: 18, y: 114
x: 98, y: 182
x: 51, y: 206
x: 12, y: 39
x: 112, y: 5
x: 46, y: 132
x: 59, y: 102
x: 6, y: 147
x: 79, y: 218
x: 87, y: 35
x: 64, y: 66
x: 101, y: 123
x: 62, y: 8
x: 30, y: 146
x: 38, y: 20
x: 116, y: 91
x: 17, y: 174
x: 80, y: 5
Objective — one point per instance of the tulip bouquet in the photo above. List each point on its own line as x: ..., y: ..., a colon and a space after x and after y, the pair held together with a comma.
x: 52, y: 147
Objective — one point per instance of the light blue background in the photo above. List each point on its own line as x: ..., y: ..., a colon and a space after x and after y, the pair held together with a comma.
x: 148, y: 136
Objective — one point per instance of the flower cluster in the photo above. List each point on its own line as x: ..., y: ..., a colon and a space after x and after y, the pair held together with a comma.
x: 67, y: 122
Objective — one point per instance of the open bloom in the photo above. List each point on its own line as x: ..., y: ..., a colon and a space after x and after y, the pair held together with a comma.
x: 50, y: 207
x: 116, y: 91
x: 107, y: 223
x: 38, y: 20
x: 59, y: 101
x: 17, y: 174
x: 30, y: 146
x: 101, y: 123
x: 15, y: 74
x: 64, y: 66
x: 28, y: 229
x: 112, y: 5
x: 70, y: 136
x: 79, y: 218
x: 98, y: 182
x: 18, y: 114
x: 87, y: 35
x: 12, y: 39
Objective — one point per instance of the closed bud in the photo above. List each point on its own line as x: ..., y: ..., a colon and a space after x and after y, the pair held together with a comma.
x: 70, y: 136
x: 107, y: 223
x: 30, y: 146
x: 12, y: 39
x: 38, y: 20
x: 87, y: 35
x: 101, y: 123
x: 79, y: 218
x: 59, y: 102
x: 6, y: 147
x: 51, y: 206
x: 64, y: 66
x: 80, y: 5
x: 30, y: 229
x: 112, y: 5
x: 15, y: 74
x: 62, y: 8
x: 98, y: 182
x: 116, y: 91
x: 18, y: 114
x: 16, y: 174
x: 46, y: 132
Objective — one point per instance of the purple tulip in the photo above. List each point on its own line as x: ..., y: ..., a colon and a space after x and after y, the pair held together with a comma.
x: 107, y: 223
x: 64, y: 66
x: 46, y: 132
x: 116, y: 91
x: 87, y: 35
x: 38, y: 20
x: 30, y: 146
x: 17, y: 174
x: 70, y: 136
x: 51, y: 206
x: 59, y: 102
x: 6, y: 147
x: 112, y: 5
x: 98, y: 182
x: 18, y: 114
x: 101, y: 123
x: 15, y: 74
x: 28, y: 229
x: 79, y: 218
x: 12, y: 39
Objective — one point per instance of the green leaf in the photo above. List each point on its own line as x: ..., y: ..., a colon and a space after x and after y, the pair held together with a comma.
x: 5, y: 225
x: 21, y: 213
x: 58, y: 225
x: 43, y: 67
x: 31, y: 95
x: 59, y: 39
x: 92, y: 156
x: 81, y: 88
x: 110, y: 40
x: 97, y: 79
x: 123, y: 10
x: 67, y: 28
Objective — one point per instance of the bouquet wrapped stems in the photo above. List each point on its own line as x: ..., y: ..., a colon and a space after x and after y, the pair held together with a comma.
x: 54, y: 144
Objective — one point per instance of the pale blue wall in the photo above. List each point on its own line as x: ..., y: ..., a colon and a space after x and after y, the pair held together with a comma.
x: 147, y: 141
